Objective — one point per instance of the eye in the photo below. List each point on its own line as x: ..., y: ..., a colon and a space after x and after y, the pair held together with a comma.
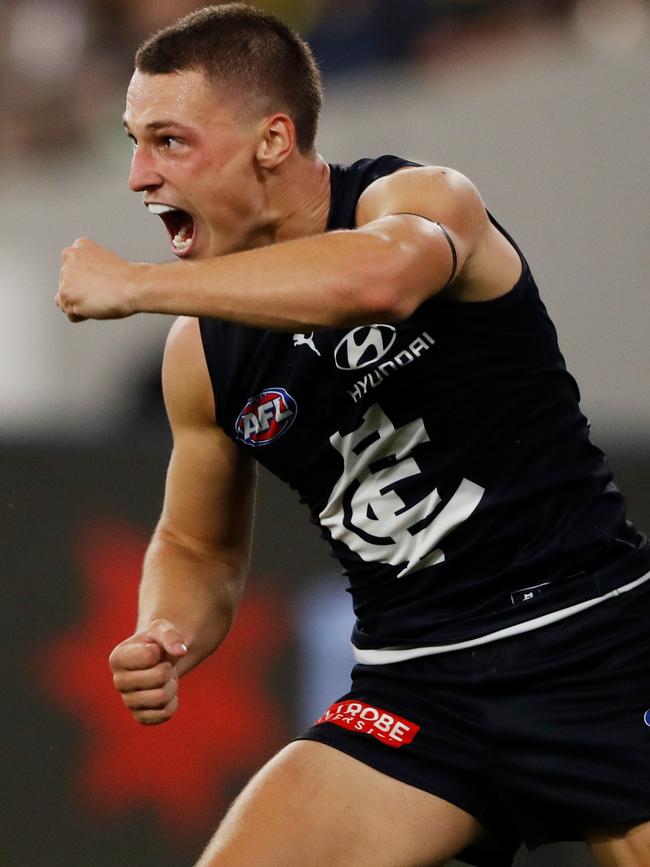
x: 170, y: 143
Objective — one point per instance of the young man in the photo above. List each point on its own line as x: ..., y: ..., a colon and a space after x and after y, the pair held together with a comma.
x: 374, y: 337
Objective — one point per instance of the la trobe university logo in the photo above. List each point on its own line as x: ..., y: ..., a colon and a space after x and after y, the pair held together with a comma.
x: 363, y: 346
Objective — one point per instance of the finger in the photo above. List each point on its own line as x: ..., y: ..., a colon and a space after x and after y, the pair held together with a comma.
x: 151, y: 699
x: 74, y: 317
x: 168, y: 637
x: 151, y: 678
x: 135, y: 655
x: 155, y: 717
x: 59, y: 299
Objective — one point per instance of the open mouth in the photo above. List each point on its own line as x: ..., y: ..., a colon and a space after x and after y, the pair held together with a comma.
x: 179, y: 224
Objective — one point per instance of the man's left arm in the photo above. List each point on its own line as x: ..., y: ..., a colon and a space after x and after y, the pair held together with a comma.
x: 415, y: 230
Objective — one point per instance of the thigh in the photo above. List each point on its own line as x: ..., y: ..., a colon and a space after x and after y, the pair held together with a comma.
x: 621, y: 846
x: 574, y: 735
x: 313, y: 805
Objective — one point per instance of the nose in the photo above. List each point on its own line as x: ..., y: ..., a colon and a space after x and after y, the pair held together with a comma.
x: 143, y: 175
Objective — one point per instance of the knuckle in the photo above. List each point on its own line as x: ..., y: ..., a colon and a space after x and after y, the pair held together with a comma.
x: 152, y: 652
x: 167, y: 712
x: 166, y: 694
x: 123, y: 681
x: 134, y: 701
x: 149, y: 700
x: 116, y: 656
x: 147, y: 718
x: 158, y: 625
x: 161, y: 674
x: 170, y: 690
x: 156, y: 700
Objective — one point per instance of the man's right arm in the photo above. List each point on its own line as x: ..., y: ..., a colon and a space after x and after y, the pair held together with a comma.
x: 195, y: 566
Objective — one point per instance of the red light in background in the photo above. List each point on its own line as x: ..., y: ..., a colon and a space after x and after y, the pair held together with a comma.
x: 228, y: 722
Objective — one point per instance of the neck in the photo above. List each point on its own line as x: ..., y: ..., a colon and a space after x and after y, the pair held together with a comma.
x: 299, y: 199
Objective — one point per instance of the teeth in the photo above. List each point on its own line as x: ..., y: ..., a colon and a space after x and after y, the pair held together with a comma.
x: 155, y: 208
x: 180, y: 243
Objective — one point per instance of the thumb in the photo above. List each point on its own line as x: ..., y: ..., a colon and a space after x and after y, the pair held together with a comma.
x: 170, y: 639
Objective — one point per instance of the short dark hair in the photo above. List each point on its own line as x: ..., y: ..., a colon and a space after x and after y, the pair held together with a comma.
x: 247, y: 49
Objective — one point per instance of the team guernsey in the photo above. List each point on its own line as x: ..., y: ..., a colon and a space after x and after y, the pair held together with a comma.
x: 445, y: 459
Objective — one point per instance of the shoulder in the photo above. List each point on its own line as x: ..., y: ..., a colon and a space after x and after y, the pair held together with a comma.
x: 439, y: 193
x: 183, y: 347
x: 186, y: 382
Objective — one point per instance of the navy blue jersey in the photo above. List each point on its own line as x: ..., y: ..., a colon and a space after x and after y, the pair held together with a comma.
x: 445, y: 458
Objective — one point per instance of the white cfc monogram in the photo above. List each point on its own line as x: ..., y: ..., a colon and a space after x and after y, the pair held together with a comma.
x: 366, y: 513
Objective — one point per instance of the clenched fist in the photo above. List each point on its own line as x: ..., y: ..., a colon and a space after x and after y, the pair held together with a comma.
x: 145, y: 672
x: 95, y: 283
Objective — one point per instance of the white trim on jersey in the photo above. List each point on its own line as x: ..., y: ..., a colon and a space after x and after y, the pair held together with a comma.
x: 387, y: 655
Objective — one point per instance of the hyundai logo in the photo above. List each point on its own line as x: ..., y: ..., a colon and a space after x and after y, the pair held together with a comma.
x: 363, y: 346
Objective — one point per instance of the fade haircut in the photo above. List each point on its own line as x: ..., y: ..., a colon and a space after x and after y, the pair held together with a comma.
x: 249, y: 52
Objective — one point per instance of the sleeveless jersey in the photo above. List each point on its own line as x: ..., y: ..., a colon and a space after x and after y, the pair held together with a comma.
x: 445, y: 459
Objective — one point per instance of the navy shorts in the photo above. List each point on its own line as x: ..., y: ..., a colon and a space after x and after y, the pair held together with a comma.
x: 540, y: 736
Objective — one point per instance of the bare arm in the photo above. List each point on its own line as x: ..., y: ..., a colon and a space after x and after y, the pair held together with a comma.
x: 381, y: 271
x: 195, y: 567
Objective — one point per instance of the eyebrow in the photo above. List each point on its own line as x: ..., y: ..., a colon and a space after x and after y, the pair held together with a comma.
x: 158, y: 124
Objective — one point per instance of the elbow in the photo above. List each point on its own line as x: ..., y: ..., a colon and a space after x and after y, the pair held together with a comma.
x: 392, y: 304
x: 380, y: 294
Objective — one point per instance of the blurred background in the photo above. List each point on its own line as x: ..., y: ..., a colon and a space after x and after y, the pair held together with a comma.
x: 543, y: 103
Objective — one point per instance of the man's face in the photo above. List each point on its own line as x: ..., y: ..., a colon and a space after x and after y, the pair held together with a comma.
x: 194, y: 163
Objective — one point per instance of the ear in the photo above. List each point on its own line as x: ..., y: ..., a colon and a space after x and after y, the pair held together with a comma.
x: 278, y: 141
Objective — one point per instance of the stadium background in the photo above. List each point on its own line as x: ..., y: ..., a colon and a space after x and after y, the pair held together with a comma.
x: 542, y: 102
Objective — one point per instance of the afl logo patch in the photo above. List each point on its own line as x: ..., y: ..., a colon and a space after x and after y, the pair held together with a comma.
x: 266, y: 417
x: 646, y: 717
x: 363, y: 346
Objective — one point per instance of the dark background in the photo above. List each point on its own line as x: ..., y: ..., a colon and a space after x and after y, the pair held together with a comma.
x: 84, y: 785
